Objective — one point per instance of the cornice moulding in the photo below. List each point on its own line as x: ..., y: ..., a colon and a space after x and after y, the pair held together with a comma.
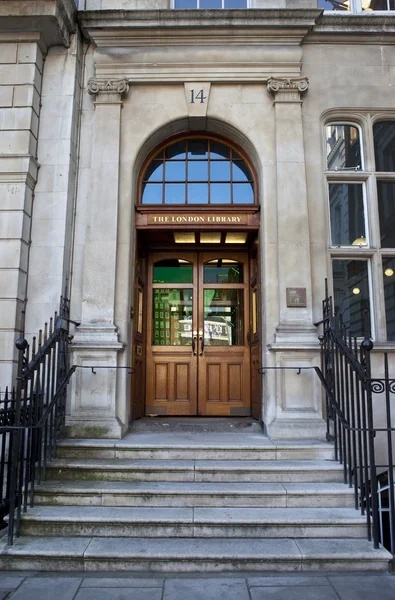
x: 93, y: 22
x: 199, y: 36
x: 364, y: 24
x: 53, y: 20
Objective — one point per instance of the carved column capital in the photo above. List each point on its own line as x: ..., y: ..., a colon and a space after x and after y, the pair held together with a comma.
x: 286, y: 89
x: 108, y: 88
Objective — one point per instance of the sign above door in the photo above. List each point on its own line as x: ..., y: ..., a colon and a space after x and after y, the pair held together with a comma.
x: 197, y: 219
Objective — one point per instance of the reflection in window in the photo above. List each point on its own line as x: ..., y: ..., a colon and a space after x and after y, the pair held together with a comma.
x: 140, y: 311
x: 386, y: 199
x: 378, y: 4
x: 254, y: 311
x: 334, y: 4
x: 204, y: 4
x: 343, y: 148
x: 172, y: 270
x: 223, y: 270
x: 389, y: 296
x: 366, y: 5
x: 197, y: 171
x: 172, y: 317
x: 223, y: 317
x: 384, y: 145
x: 346, y: 214
x: 351, y: 293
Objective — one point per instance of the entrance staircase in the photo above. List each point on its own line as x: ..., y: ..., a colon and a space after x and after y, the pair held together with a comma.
x: 193, y: 501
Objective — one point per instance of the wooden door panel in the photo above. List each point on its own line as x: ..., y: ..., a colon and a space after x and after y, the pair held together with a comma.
x: 171, y: 384
x: 224, y: 383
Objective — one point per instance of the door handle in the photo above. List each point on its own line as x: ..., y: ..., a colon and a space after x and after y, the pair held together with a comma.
x: 201, y: 340
x: 194, y: 339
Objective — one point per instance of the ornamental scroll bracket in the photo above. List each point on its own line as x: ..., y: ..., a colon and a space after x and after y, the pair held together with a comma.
x: 286, y: 89
x: 108, y: 89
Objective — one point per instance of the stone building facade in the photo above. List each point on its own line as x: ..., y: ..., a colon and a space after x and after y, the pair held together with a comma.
x: 299, y: 92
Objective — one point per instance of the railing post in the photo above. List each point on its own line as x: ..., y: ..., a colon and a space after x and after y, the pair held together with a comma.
x: 15, y: 440
x: 366, y: 348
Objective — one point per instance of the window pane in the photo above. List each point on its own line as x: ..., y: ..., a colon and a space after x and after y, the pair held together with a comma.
x: 220, y: 193
x: 152, y: 193
x: 175, y: 193
x: 197, y: 193
x: 185, y: 3
x: 334, y: 4
x: 243, y: 193
x: 240, y: 171
x: 343, y: 148
x: 172, y: 317
x: 223, y: 317
x: 223, y: 271
x: 389, y: 296
x: 384, y: 145
x: 197, y: 149
x: 176, y: 151
x: 378, y: 4
x: 197, y: 171
x: 351, y: 293
x: 235, y: 4
x: 210, y: 3
x: 140, y: 312
x: 175, y: 170
x: 172, y: 270
x: 386, y: 198
x: 346, y: 213
x: 219, y: 171
x: 154, y: 171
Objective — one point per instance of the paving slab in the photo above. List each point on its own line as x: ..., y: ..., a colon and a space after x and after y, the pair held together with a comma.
x: 42, y: 588
x: 121, y: 582
x: 287, y: 580
x: 364, y: 587
x: 297, y: 593
x: 203, y: 589
x: 9, y: 582
x: 119, y: 594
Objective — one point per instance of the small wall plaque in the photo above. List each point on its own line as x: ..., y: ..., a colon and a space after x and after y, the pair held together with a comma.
x: 296, y: 297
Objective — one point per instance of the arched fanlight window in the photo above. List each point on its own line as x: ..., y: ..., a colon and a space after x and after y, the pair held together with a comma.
x: 196, y: 171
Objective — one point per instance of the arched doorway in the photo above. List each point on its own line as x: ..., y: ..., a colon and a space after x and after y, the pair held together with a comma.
x: 197, y: 333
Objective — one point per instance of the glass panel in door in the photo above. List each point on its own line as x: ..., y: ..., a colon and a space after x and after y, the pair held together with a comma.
x: 223, y: 317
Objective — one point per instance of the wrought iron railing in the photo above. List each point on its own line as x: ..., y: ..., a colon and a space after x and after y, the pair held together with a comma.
x: 359, y: 420
x: 32, y: 415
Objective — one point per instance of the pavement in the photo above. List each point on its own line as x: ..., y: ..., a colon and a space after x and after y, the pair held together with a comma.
x: 32, y: 585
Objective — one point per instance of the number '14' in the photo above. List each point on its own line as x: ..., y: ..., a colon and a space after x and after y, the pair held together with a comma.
x: 199, y: 96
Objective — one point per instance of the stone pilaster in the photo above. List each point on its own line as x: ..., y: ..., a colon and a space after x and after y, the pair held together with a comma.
x: 93, y: 404
x: 294, y: 266
x: 295, y: 410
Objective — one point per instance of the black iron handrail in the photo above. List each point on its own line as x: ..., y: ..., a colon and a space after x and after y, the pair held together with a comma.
x: 32, y: 415
x: 352, y: 424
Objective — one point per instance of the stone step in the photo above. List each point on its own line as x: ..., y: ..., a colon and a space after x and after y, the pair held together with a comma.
x: 193, y: 522
x: 184, y: 446
x: 191, y: 554
x: 200, y: 425
x: 195, y: 470
x: 194, y: 494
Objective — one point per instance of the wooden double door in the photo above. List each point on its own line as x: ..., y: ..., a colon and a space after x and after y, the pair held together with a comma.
x: 198, y: 351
